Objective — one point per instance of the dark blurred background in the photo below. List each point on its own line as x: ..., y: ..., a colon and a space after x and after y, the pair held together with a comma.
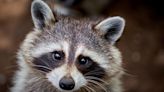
x: 142, y: 43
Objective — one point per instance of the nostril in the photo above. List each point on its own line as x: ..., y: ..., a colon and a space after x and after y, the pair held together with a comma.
x: 67, y: 83
x: 66, y: 86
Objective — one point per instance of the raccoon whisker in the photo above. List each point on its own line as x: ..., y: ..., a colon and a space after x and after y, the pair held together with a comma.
x: 38, y: 82
x: 41, y: 71
x: 40, y: 66
x: 82, y: 90
x: 10, y: 67
x: 48, y: 87
x: 85, y: 89
x: 93, y: 72
x: 97, y: 79
x: 125, y: 71
x: 89, y: 88
x: 45, y: 63
x: 98, y: 84
x: 34, y: 79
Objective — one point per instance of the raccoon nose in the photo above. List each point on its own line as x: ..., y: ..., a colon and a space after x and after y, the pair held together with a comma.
x: 67, y: 83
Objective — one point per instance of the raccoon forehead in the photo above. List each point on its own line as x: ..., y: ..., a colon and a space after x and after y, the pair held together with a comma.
x: 82, y: 20
x: 79, y: 48
x: 47, y: 47
x: 76, y: 23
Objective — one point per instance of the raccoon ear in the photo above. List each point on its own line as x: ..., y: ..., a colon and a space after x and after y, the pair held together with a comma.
x: 42, y: 15
x: 111, y: 28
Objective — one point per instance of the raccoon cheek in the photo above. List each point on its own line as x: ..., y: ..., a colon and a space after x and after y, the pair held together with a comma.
x: 94, y: 71
x: 79, y: 79
x: 40, y: 64
x: 56, y: 75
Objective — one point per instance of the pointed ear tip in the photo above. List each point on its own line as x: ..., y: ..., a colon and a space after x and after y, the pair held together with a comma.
x: 37, y: 3
x: 34, y: 4
x: 120, y: 18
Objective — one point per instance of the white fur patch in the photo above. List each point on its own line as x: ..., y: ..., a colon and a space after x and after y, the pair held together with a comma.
x: 50, y: 47
x: 57, y: 74
x: 78, y: 78
x: 79, y: 50
x: 45, y: 48
x: 96, y: 57
x: 65, y: 47
x: 21, y: 75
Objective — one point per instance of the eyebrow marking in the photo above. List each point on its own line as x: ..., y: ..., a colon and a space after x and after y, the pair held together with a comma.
x: 79, y: 50
x: 96, y: 57
x: 65, y: 47
x: 44, y: 48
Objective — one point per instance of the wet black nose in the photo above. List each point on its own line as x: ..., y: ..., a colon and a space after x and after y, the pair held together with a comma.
x: 67, y: 83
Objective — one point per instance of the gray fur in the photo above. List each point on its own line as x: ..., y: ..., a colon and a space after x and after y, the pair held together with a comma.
x: 75, y: 31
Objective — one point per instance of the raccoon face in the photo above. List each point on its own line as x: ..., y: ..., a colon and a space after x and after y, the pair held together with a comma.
x: 73, y: 54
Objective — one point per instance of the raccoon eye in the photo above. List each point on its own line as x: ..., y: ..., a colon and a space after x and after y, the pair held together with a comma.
x: 57, y: 55
x: 84, y: 60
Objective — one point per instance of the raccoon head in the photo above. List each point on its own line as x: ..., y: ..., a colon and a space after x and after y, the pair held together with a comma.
x: 73, y: 54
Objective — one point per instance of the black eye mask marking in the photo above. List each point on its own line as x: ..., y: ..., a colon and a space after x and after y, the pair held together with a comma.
x: 49, y: 61
x: 89, y: 68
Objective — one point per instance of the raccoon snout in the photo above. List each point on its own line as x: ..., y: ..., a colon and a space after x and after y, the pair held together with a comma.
x: 67, y: 83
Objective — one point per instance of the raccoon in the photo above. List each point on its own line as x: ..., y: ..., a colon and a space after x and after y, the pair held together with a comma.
x: 80, y: 7
x: 69, y: 54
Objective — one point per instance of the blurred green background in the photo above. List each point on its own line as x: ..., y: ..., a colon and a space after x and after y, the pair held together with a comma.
x: 142, y: 43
